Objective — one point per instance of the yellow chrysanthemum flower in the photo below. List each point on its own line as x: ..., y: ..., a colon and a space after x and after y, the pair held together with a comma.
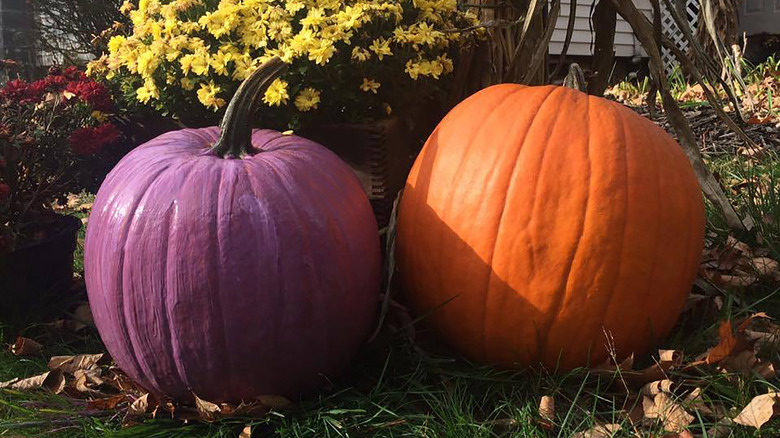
x: 370, y: 85
x: 147, y: 92
x: 190, y: 44
x: 307, y: 99
x: 360, y: 54
x: 219, y: 62
x: 99, y: 116
x: 116, y: 43
x: 322, y: 52
x: 294, y: 6
x: 276, y: 94
x: 126, y: 7
x: 381, y: 47
x: 207, y: 95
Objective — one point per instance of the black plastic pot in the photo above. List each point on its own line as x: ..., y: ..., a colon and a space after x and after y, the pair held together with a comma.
x: 34, y: 277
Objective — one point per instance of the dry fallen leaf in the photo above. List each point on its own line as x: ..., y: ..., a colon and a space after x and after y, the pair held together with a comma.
x: 609, y: 366
x: 547, y: 412
x: 738, y: 246
x: 25, y: 347
x: 683, y: 434
x: 766, y: 267
x: 207, y: 410
x: 139, y: 406
x: 657, y: 387
x: 675, y: 357
x: 760, y: 410
x: 742, y: 280
x: 599, y: 431
x: 69, y: 364
x: 662, y: 407
x: 106, y: 403
x: 695, y: 402
x: 53, y: 380
x: 742, y: 362
x: 725, y: 346
x: 765, y: 370
x: 88, y: 381
x: 721, y: 429
x: 246, y: 433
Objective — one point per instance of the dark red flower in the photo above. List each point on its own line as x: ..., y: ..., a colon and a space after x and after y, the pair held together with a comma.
x: 2, y: 163
x: 88, y: 141
x: 16, y: 90
x: 55, y: 83
x: 92, y: 92
x: 5, y: 190
x: 72, y: 73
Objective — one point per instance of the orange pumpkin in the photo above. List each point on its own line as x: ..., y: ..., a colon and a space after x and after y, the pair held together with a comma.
x: 537, y: 219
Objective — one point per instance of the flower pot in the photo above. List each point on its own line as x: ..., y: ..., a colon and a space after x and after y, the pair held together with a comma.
x: 31, y: 276
x: 381, y: 154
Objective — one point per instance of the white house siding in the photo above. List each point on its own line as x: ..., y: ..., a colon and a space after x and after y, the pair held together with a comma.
x: 626, y: 44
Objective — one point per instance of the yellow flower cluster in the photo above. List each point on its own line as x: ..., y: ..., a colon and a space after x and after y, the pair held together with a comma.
x: 206, y: 47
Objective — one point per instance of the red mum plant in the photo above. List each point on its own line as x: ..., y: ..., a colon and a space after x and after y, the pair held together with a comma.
x: 49, y: 129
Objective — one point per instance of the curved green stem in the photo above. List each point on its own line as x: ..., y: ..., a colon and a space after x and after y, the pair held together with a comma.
x: 235, y: 137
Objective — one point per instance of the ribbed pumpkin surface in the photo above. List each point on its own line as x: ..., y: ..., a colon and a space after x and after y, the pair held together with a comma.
x: 536, y: 219
x: 232, y: 278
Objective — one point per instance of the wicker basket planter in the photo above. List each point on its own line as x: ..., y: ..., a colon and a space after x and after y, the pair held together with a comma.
x: 381, y: 154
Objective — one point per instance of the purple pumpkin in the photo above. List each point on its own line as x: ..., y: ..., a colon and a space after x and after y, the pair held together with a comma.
x: 230, y: 263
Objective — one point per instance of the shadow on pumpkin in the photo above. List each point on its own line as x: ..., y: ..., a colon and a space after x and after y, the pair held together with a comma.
x: 459, y: 294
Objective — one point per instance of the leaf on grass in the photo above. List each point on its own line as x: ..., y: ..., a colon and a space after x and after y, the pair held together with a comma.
x: 207, y: 410
x: 738, y: 246
x: 547, y: 412
x: 742, y: 362
x: 765, y: 370
x: 763, y: 338
x: 662, y: 407
x: 725, y: 346
x: 674, y: 357
x: 88, y: 381
x: 742, y: 280
x: 746, y: 322
x: 53, y: 380
x: 106, y: 403
x: 683, y: 434
x: 25, y: 347
x: 69, y: 364
x: 609, y: 366
x: 657, y: 387
x: 599, y: 431
x: 246, y: 432
x: 755, y: 119
x: 760, y: 410
x: 766, y: 267
x: 667, y: 360
x: 139, y: 406
x: 695, y: 402
x: 721, y: 429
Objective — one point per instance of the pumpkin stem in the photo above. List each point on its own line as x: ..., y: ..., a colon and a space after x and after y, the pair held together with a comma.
x: 235, y: 137
x: 576, y: 78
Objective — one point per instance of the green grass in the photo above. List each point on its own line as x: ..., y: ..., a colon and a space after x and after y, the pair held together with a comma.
x: 396, y: 388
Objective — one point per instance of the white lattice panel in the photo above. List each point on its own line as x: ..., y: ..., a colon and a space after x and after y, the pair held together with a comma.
x: 671, y: 30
